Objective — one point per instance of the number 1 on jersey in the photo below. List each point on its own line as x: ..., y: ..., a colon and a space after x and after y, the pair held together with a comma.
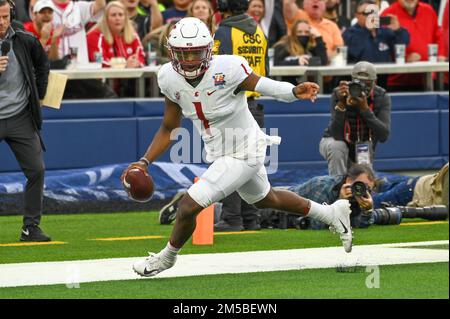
x: 201, y: 115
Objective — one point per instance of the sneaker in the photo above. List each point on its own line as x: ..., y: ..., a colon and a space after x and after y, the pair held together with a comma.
x: 341, y: 223
x: 152, y: 265
x: 223, y: 226
x: 33, y: 233
x: 169, y: 212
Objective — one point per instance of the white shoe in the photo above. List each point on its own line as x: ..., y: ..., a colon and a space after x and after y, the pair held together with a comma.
x: 341, y: 223
x: 152, y: 265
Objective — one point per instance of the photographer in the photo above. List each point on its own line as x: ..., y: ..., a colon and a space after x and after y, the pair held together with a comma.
x: 360, y: 118
x: 356, y: 186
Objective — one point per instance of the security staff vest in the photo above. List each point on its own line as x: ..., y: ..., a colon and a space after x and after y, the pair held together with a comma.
x: 233, y: 39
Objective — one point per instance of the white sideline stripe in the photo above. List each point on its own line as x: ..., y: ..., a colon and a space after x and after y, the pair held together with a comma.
x: 81, y: 271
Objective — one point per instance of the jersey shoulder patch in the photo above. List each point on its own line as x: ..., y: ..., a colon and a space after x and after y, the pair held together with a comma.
x: 229, y: 70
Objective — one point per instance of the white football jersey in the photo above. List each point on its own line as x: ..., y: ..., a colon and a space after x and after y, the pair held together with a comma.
x: 222, y: 117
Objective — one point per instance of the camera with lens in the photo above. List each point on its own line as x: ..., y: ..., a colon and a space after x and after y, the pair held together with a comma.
x: 392, y: 215
x: 359, y: 189
x: 356, y: 87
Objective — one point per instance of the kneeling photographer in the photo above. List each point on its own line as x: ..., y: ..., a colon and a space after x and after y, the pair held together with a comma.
x: 360, y: 118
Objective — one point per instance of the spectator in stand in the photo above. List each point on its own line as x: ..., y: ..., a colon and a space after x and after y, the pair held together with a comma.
x: 203, y: 10
x: 256, y: 10
x: 177, y: 12
x: 366, y: 41
x: 143, y: 21
x: 300, y: 45
x: 74, y: 16
x: 272, y: 23
x: 314, y: 13
x: 420, y: 20
x: 332, y: 13
x: 303, y: 45
x: 42, y: 27
x: 114, y: 36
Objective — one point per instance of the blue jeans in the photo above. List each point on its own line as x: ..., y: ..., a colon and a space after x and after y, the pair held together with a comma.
x: 398, y: 194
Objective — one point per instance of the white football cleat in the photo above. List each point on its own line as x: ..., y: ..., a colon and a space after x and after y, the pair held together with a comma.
x: 152, y: 265
x: 341, y: 223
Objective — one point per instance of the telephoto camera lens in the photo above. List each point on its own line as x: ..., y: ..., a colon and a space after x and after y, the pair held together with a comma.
x: 434, y: 212
x: 387, y: 216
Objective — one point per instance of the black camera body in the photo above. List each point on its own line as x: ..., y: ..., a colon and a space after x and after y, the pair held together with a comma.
x: 356, y: 87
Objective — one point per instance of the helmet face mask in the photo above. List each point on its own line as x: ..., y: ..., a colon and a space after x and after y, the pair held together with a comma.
x: 190, y: 47
x: 190, y: 62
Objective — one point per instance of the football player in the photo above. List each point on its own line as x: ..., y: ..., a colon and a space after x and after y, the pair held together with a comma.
x: 210, y: 90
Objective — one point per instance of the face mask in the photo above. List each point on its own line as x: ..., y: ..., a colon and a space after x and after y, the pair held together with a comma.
x: 303, y: 39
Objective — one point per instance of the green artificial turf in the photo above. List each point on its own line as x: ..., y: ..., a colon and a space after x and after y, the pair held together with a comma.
x: 79, y: 230
x: 399, y: 281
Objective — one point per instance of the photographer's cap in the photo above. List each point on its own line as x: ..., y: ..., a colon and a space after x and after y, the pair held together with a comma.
x: 364, y: 71
x: 42, y: 4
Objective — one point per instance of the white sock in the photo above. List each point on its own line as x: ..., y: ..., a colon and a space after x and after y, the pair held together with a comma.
x: 169, y: 253
x: 320, y: 212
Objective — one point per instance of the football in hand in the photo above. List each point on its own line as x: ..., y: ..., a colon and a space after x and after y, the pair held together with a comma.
x: 138, y: 184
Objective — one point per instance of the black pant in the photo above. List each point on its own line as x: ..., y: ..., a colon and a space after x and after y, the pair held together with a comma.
x: 236, y: 211
x: 18, y: 131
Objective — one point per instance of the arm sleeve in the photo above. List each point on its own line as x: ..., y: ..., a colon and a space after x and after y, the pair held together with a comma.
x: 282, y: 91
